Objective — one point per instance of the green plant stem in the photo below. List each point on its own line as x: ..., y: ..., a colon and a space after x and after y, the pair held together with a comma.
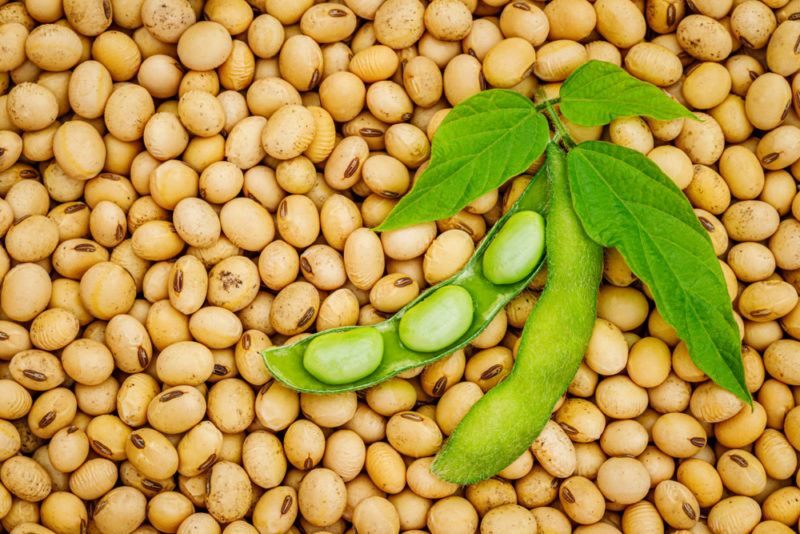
x: 541, y: 106
x: 560, y: 130
x: 504, y: 423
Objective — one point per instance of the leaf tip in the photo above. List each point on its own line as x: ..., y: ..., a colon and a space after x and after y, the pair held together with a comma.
x: 744, y: 395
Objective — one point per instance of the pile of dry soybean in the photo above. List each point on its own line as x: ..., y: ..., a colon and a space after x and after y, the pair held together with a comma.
x: 185, y: 183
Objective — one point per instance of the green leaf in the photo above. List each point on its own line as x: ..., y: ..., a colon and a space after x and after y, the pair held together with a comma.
x: 483, y: 142
x: 598, y: 92
x: 625, y: 201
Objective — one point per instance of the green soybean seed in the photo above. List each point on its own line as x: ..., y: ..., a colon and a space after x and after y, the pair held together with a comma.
x: 438, y: 321
x: 516, y: 250
x: 344, y: 357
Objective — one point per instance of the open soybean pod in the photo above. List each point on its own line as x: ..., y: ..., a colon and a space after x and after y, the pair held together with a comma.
x: 339, y: 359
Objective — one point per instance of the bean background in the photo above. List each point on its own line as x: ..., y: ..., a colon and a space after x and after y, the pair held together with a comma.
x: 185, y: 183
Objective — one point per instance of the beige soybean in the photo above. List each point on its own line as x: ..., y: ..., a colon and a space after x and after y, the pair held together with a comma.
x: 554, y: 451
x: 10, y: 441
x: 263, y: 459
x: 266, y: 95
x: 619, y: 23
x: 385, y: 467
x: 607, y: 352
x: 392, y: 292
x: 228, y: 494
x: 300, y: 62
x: 676, y: 504
x: 342, y: 94
x: 374, y: 63
x: 648, y: 363
x: 322, y: 497
x: 779, y: 148
x: 775, y: 453
x: 276, y: 406
x: 422, y: 481
x: 399, y: 23
x: 304, y: 444
x: 413, y: 434
x: 79, y: 150
x: 233, y: 283
x: 508, y: 62
x: 488, y: 367
x: 779, y: 57
x: 345, y: 454
x: 653, y: 63
x: 743, y: 428
x: 93, y: 478
x: 582, y: 500
x: 581, y: 420
x: 621, y: 438
x: 446, y: 255
x: 36, y: 370
x: 185, y: 362
x: 732, y: 118
x: 53, y: 47
x: 243, y: 147
x: 151, y: 453
x: 632, y: 471
x: 161, y: 75
x: 278, y: 265
x: 176, y: 409
x: 328, y: 410
x: 25, y: 479
x: 388, y: 102
x: 31, y: 106
x: 706, y: 86
x: 134, y: 396
x: 199, y: 448
x: 741, y: 472
x: 260, y: 228
x: 712, y: 404
x: 767, y: 101
x: 13, y: 36
x: 708, y: 191
x: 339, y: 217
x: 196, y: 222
x: 678, y: 435
x: 16, y: 399
x: 276, y: 509
x: 363, y: 258
x: 343, y: 168
x: 408, y: 243
x: 391, y: 397
x: 767, y: 300
x: 704, y: 38
x: 204, y: 46
x: 295, y: 308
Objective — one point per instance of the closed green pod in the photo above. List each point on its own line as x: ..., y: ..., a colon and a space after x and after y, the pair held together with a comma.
x: 344, y: 357
x: 438, y: 321
x: 516, y: 250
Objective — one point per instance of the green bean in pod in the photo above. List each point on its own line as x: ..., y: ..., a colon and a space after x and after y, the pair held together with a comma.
x: 443, y: 319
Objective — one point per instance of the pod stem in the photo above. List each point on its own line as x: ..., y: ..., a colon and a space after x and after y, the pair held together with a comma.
x: 504, y: 423
x: 561, y: 134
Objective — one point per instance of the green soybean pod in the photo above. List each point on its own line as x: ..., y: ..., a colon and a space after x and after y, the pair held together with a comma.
x: 344, y: 357
x: 287, y: 363
x: 508, y: 418
x: 516, y: 250
x: 438, y: 321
